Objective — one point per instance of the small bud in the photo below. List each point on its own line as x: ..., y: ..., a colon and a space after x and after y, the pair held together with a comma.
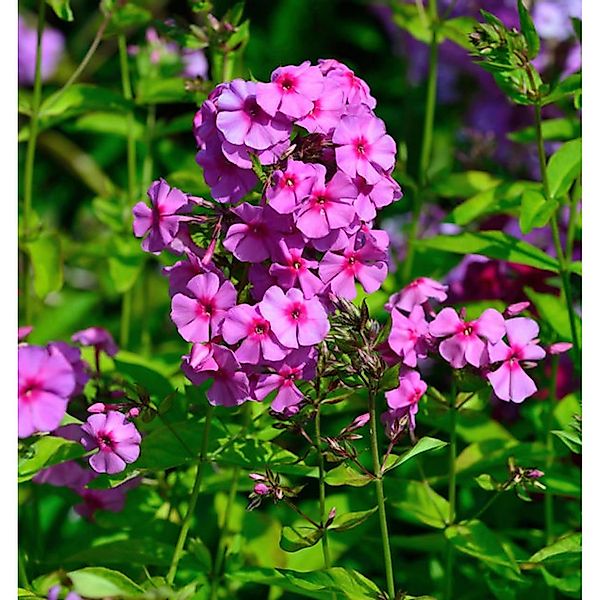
x: 98, y: 407
x: 560, y: 347
x: 262, y: 489
x: 133, y: 412
x: 257, y: 476
x: 514, y: 309
x: 330, y: 517
x: 533, y: 473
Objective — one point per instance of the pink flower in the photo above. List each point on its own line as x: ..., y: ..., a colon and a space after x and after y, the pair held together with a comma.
x: 368, y: 264
x: 510, y: 382
x: 45, y: 383
x: 292, y: 90
x: 98, y: 337
x: 112, y: 499
x: 328, y: 207
x: 230, y: 384
x: 295, y: 321
x: 24, y: 331
x: 417, y: 292
x: 73, y: 357
x: 405, y: 398
x: 293, y: 269
x: 355, y: 90
x: 291, y: 186
x: 326, y: 111
x: 466, y: 344
x: 117, y: 441
x: 199, y: 314
x: 68, y: 474
x: 246, y: 323
x: 363, y: 148
x: 408, y: 335
x: 374, y: 196
x: 559, y: 347
x: 162, y: 219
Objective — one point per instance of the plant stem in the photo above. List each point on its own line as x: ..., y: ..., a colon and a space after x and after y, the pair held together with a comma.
x: 30, y: 157
x: 427, y: 140
x: 385, y: 538
x: 448, y: 574
x: 563, y: 265
x: 187, y: 521
x: 323, y: 516
x: 575, y: 197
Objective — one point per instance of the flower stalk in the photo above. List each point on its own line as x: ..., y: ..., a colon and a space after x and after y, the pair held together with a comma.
x: 448, y: 574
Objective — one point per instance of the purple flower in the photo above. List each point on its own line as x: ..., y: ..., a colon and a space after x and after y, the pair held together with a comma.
x: 199, y: 313
x: 73, y: 356
x: 68, y: 474
x: 112, y: 499
x: 510, y: 382
x: 162, y: 219
x: 374, y: 196
x: 195, y: 63
x: 98, y: 337
x: 354, y: 89
x: 245, y: 322
x: 328, y: 207
x: 53, y: 46
x: 295, y: 321
x: 405, y: 398
x: 467, y: 341
x: 242, y: 121
x: 300, y: 364
x: 363, y: 147
x: 293, y: 269
x: 292, y: 90
x: 291, y: 186
x: 417, y: 292
x: 117, y: 441
x: 408, y: 336
x: 45, y: 383
x: 326, y: 111
x: 230, y: 384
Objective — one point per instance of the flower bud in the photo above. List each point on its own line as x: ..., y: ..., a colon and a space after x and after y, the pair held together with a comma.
x: 560, y: 347
x: 514, y: 309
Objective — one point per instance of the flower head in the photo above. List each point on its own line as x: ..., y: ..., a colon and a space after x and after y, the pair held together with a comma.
x: 98, y: 337
x: 405, y: 398
x: 417, y: 292
x: 408, y: 336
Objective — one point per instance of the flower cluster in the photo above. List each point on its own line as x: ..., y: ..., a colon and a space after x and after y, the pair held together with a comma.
x: 418, y: 332
x: 314, y: 165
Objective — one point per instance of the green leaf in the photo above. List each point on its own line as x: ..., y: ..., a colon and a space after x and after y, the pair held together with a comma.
x: 494, y: 244
x: 425, y: 444
x: 163, y: 91
x: 62, y: 8
x: 98, y: 582
x: 47, y: 260
x: 571, y: 439
x: 347, y: 475
x: 139, y: 552
x: 458, y: 30
x: 477, y: 540
x: 108, y: 123
x: 125, y: 262
x: 48, y: 450
x: 559, y: 130
x: 27, y: 595
x: 569, y: 86
x: 140, y: 370
x: 486, y: 482
x: 127, y: 16
x: 528, y: 30
x: 350, y: 520
x: 535, y: 210
x: 297, y: 538
x: 417, y: 502
x: 563, y: 550
x: 563, y: 168
x: 555, y: 313
x: 461, y: 185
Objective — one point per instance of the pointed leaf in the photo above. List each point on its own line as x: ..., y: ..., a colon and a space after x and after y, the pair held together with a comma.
x: 47, y: 260
x: 528, y: 30
x: 425, y: 444
x: 297, y: 538
x: 347, y: 475
x: 535, y: 210
x: 62, y: 9
x: 563, y: 168
x: 98, y: 582
x: 351, y: 520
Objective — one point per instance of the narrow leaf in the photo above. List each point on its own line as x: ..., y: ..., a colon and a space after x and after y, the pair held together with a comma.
x: 563, y: 168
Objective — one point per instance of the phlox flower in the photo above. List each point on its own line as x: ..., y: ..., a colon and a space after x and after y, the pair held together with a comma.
x: 371, y: 197
x: 326, y: 111
x: 246, y: 323
x: 68, y: 474
x: 355, y: 90
x: 417, y: 292
x: 510, y: 382
x: 404, y: 400
x: 73, y: 357
x: 199, y: 313
x: 45, y: 383
x: 290, y: 186
x: 295, y: 320
x: 98, y: 337
x: 291, y: 91
x: 363, y: 147
x: 161, y: 220
x: 466, y: 343
x: 408, y: 335
x: 112, y: 499
x: 117, y: 441
x: 292, y: 269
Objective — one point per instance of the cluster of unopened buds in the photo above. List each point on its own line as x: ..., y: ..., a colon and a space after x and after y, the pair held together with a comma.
x: 49, y: 378
x: 314, y: 163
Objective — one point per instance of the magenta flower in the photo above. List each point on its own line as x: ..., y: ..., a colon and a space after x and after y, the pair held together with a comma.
x: 73, y: 357
x: 368, y: 264
x: 98, y: 337
x: 242, y: 121
x: 246, y: 323
x: 112, y: 499
x: 326, y: 111
x: 510, y: 382
x: 329, y: 206
x: 363, y: 147
x: 117, y: 441
x: 374, y: 196
x: 199, y: 314
x: 45, y: 383
x: 292, y: 90
x: 230, y: 384
x: 161, y: 220
x: 295, y: 321
x: 355, y: 90
x: 417, y: 292
x: 467, y: 341
x: 293, y: 269
x: 291, y: 186
x: 405, y: 398
x: 300, y: 364
x: 68, y: 474
x: 408, y: 336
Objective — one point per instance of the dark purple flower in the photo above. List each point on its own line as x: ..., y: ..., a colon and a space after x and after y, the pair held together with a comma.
x: 98, y: 337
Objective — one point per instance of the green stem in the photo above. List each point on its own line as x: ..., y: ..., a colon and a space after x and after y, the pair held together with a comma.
x: 575, y: 197
x: 385, y: 538
x: 30, y: 157
x: 187, y: 521
x: 23, y: 579
x: 562, y: 263
x: 323, y: 516
x: 227, y: 73
x: 427, y: 140
x: 448, y: 575
x: 126, y: 306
